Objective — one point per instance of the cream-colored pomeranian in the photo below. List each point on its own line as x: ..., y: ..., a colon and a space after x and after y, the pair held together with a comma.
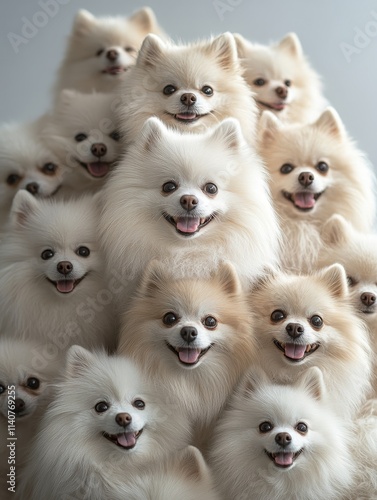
x: 316, y: 171
x: 282, y: 79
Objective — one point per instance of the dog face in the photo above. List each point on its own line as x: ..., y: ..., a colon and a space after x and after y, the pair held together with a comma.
x: 83, y: 133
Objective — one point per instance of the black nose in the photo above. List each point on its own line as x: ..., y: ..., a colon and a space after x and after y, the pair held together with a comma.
x: 368, y: 298
x: 305, y: 178
x: 283, y: 439
x: 32, y: 187
x: 189, y: 334
x: 281, y: 92
x: 19, y: 405
x: 294, y: 330
x: 64, y: 267
x: 188, y: 99
x: 188, y: 202
x: 98, y: 149
x: 112, y: 55
x: 123, y: 419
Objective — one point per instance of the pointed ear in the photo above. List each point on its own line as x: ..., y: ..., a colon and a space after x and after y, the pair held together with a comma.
x: 253, y: 380
x: 78, y: 360
x: 312, y: 381
x: 291, y: 44
x: 24, y: 204
x: 226, y: 275
x: 335, y: 279
x: 153, y: 279
x: 151, y: 50
x: 241, y: 44
x: 152, y: 132
x: 83, y: 22
x: 269, y: 125
x: 224, y: 49
x: 228, y: 133
x: 330, y: 122
x: 66, y: 97
x: 192, y: 464
x: 144, y: 19
x: 336, y: 231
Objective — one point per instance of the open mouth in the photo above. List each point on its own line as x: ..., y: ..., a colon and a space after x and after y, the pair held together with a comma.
x: 303, y: 200
x: 114, y: 70
x: 283, y: 459
x: 188, y: 356
x: 96, y: 169
x: 275, y: 106
x: 187, y: 116
x: 126, y: 440
x: 187, y: 225
x: 66, y: 286
x: 296, y: 352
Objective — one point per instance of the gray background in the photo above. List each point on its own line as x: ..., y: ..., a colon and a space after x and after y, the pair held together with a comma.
x: 322, y: 26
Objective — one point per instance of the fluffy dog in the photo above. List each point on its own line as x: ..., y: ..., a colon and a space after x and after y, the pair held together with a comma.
x: 278, y: 441
x: 282, y: 79
x: 307, y: 320
x: 192, y: 200
x: 101, y: 50
x: 82, y: 131
x: 316, y: 171
x: 105, y: 426
x: 194, y: 336
x: 25, y: 391
x: 189, y: 87
x: 26, y: 163
x: 52, y: 289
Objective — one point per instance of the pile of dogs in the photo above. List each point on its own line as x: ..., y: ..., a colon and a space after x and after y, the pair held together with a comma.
x: 188, y: 277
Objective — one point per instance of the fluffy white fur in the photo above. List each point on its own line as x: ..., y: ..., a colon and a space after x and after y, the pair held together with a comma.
x: 73, y: 458
x: 189, y: 69
x: 305, y: 197
x: 62, y: 311
x: 282, y: 79
x: 242, y: 225
x: 25, y: 163
x: 291, y: 338
x: 198, y: 373
x: 25, y: 376
x: 82, y: 131
x: 101, y: 49
x: 322, y: 464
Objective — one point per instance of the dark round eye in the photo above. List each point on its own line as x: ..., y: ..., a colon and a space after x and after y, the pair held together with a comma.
x: 210, y: 322
x: 266, y: 427
x: 316, y: 321
x: 278, y: 315
x: 99, y: 52
x: 129, y: 49
x: 32, y: 383
x: 301, y: 427
x: 259, y: 82
x: 287, y: 83
x: 139, y: 404
x: 13, y: 179
x: 101, y: 407
x: 169, y: 90
x: 351, y: 281
x: 49, y: 168
x: 83, y: 251
x: 169, y: 319
x: 169, y: 187
x: 47, y: 254
x: 286, y: 168
x: 207, y: 90
x: 115, y: 135
x: 210, y: 188
x: 2, y: 389
x: 80, y: 137
x: 322, y: 166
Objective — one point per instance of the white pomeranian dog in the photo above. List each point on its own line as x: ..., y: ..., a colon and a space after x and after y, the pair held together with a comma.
x: 51, y: 275
x: 101, y: 49
x: 105, y: 426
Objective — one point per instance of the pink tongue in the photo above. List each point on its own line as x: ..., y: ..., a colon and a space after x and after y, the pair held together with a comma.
x: 283, y: 458
x: 295, y: 351
x: 188, y: 224
x: 186, y: 116
x: 304, y: 200
x: 114, y: 70
x: 98, y: 169
x: 65, y: 286
x: 126, y: 439
x: 189, y: 356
